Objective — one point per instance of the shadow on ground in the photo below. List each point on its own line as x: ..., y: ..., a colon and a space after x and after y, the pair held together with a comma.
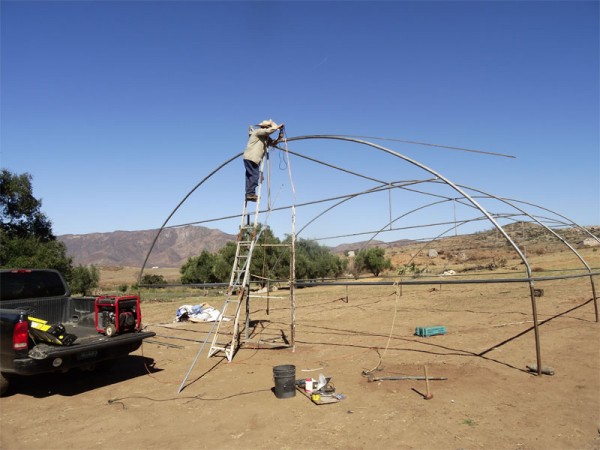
x: 78, y: 381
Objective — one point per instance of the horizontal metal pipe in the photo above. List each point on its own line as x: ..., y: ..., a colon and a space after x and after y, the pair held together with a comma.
x: 407, y: 378
x: 389, y: 283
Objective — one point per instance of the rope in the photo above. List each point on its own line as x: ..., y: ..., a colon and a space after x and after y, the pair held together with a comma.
x: 283, y: 164
x: 367, y: 372
x: 289, y: 167
x: 292, y: 248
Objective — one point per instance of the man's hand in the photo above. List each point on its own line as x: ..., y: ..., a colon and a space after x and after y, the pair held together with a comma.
x: 280, y: 137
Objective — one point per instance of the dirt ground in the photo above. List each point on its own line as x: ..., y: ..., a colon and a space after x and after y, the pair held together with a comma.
x: 489, y: 399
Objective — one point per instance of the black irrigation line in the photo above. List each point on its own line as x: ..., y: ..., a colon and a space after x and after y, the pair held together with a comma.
x: 440, y: 281
x: 401, y: 282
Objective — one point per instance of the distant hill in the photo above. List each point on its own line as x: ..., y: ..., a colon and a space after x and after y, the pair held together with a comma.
x: 176, y: 245
x: 129, y: 248
x: 173, y: 248
x: 344, y: 248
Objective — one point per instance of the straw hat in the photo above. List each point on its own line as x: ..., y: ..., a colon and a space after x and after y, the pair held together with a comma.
x: 267, y: 124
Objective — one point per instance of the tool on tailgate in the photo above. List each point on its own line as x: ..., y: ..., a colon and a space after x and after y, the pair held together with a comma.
x: 39, y: 330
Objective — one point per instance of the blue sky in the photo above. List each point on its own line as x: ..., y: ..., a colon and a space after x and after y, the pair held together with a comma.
x: 118, y: 109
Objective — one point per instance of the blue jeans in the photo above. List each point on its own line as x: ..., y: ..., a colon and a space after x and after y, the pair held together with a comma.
x: 252, y: 174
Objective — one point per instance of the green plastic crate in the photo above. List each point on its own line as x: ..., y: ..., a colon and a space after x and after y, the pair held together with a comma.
x: 430, y: 331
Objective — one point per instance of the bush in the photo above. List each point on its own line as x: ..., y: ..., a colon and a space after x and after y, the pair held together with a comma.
x: 410, y: 268
x: 84, y: 279
x: 150, y: 279
x: 373, y: 260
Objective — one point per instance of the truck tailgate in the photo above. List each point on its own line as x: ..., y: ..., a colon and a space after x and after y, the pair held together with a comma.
x: 46, y: 358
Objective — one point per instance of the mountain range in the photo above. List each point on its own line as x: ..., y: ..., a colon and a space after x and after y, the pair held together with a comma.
x: 129, y: 248
x: 173, y: 247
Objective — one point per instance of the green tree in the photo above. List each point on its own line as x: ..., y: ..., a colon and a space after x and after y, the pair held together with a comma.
x: 224, y: 262
x: 373, y: 260
x: 84, y: 279
x: 316, y: 261
x: 20, y: 211
x: 270, y: 260
x: 199, y: 269
x: 26, y: 238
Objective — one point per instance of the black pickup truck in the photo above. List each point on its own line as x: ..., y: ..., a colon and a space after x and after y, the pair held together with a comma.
x: 75, y: 338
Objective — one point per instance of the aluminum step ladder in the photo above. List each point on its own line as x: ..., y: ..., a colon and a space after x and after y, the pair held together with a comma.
x: 239, y: 282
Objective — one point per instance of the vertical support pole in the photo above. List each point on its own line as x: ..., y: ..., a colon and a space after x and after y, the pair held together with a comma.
x: 536, y: 330
x: 595, y: 297
x: 247, y: 327
x: 454, y: 208
x: 390, y: 204
x: 293, y: 281
x: 268, y: 296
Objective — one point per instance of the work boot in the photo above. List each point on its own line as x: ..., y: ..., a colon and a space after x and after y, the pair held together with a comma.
x: 251, y: 197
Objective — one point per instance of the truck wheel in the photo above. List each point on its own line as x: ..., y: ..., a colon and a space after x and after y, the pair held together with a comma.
x: 110, y: 330
x: 3, y: 384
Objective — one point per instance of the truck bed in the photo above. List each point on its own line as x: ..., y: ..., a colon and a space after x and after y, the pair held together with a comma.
x: 30, y: 299
x: 90, y: 345
x: 65, y: 310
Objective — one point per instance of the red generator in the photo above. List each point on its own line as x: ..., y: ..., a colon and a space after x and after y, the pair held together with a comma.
x: 116, y: 315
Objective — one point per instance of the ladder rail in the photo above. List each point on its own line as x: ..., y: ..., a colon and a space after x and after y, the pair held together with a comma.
x: 244, y: 251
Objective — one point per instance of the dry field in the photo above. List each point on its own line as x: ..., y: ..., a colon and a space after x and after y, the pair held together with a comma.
x: 489, y: 399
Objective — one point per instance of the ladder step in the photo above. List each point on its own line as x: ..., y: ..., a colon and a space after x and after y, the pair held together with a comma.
x: 220, y: 346
x: 214, y: 349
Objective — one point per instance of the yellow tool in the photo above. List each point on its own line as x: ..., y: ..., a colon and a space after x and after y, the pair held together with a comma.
x: 52, y: 334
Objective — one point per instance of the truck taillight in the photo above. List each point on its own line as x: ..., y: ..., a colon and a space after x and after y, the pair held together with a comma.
x: 20, y: 336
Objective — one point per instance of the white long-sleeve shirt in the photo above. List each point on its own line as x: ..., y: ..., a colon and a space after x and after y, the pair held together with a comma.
x: 257, y: 144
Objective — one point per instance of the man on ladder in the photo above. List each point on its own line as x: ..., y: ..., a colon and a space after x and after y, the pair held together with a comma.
x: 258, y: 142
x: 239, y: 284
